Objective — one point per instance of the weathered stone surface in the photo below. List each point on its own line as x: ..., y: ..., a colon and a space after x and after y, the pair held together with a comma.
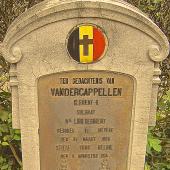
x: 35, y: 44
x: 85, y: 115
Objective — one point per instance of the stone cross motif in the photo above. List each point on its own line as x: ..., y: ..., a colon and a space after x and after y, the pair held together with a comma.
x: 86, y: 42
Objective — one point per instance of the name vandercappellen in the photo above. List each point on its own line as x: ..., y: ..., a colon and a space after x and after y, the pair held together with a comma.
x: 86, y: 91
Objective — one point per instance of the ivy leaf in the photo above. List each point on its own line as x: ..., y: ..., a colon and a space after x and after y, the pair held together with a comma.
x: 152, y: 8
x: 168, y: 166
x: 3, y: 115
x: 148, y: 149
x: 147, y: 167
x: 4, y: 128
x: 155, y: 144
x: 17, y: 131
x: 4, y: 167
x: 17, y: 137
x: 4, y: 143
x: 5, y: 138
x: 157, y: 1
x: 1, y: 160
x: 167, y: 96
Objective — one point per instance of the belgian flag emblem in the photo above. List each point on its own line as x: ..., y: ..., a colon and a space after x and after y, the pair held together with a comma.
x: 86, y: 43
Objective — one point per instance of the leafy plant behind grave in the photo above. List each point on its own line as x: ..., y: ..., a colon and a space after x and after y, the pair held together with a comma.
x: 158, y: 148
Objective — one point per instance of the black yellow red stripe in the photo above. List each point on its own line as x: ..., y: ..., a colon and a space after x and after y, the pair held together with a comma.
x: 86, y: 43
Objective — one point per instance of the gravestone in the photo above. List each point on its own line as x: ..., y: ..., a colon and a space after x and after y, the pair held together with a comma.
x: 84, y: 78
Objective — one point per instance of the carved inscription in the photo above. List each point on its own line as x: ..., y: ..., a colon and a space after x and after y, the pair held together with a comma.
x: 85, y: 120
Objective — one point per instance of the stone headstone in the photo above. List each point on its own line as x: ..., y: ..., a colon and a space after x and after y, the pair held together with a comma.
x: 84, y: 77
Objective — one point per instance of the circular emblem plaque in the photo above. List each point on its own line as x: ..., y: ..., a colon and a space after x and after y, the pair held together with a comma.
x: 86, y: 43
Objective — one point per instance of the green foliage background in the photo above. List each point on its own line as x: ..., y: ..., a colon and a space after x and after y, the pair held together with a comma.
x: 158, y: 147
